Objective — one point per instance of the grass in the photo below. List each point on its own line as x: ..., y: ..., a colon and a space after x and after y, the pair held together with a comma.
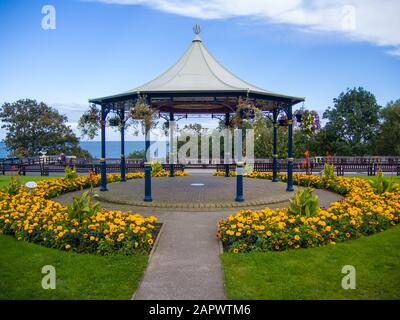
x: 395, y: 178
x: 23, y: 179
x: 316, y: 273
x: 79, y: 276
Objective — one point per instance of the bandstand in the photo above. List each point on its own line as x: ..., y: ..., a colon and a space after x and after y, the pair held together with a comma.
x: 197, y: 84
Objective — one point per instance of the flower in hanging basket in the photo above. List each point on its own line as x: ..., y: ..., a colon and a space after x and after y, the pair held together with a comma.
x: 283, y: 122
x: 298, y: 117
x: 114, y: 121
x: 246, y: 110
x: 141, y: 112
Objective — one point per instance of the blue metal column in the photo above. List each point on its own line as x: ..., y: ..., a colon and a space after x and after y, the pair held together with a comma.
x: 147, y: 182
x: 147, y: 143
x: 274, y: 147
x: 227, y: 165
x: 171, y: 144
x: 122, y: 129
x: 147, y: 164
x: 239, y: 182
x: 290, y: 150
x: 103, y: 168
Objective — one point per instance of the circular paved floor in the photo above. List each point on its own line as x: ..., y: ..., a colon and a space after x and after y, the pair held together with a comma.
x: 199, y: 192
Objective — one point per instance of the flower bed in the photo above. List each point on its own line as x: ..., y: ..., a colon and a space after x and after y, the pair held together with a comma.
x: 34, y: 217
x: 362, y: 212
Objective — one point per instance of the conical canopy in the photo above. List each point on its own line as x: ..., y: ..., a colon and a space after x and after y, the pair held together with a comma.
x: 198, y: 72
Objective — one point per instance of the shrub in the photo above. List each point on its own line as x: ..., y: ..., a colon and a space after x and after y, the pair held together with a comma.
x: 329, y: 171
x: 381, y: 185
x: 70, y: 173
x: 82, y: 207
x: 304, y: 203
x: 156, y: 167
x: 13, y: 186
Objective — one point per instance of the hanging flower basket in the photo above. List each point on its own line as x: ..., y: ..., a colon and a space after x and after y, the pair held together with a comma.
x: 114, y: 121
x: 245, y: 111
x: 299, y: 117
x: 283, y: 122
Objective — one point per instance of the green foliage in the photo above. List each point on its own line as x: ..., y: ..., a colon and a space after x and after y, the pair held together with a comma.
x: 353, y: 122
x: 142, y: 114
x: 89, y: 122
x: 329, y: 171
x: 70, y: 173
x: 82, y: 207
x: 13, y: 186
x: 388, y: 140
x: 32, y: 127
x: 304, y: 203
x: 156, y: 167
x: 382, y: 185
x: 137, y: 154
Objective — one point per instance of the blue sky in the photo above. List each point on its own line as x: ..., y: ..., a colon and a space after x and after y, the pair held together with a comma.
x: 110, y: 46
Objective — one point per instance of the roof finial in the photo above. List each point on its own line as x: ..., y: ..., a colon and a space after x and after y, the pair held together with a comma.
x: 196, y: 29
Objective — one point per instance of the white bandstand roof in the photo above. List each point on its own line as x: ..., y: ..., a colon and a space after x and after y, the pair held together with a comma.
x: 197, y: 71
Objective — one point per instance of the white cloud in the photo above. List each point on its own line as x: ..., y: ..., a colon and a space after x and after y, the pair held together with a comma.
x: 374, y: 21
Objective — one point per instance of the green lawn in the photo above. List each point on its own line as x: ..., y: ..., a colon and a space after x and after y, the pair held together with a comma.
x: 316, y: 273
x: 79, y: 276
x: 23, y: 179
x: 395, y: 178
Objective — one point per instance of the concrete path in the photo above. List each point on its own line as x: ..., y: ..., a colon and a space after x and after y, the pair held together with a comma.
x: 186, y: 263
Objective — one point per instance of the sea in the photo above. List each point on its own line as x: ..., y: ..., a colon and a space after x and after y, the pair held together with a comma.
x: 113, y: 148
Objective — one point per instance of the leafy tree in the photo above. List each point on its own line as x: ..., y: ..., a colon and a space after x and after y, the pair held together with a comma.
x: 388, y: 140
x: 137, y: 154
x: 353, y: 121
x: 33, y: 127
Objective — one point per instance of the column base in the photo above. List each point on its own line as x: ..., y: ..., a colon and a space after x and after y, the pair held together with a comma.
x: 148, y: 199
x: 239, y: 199
x: 103, y: 189
x: 275, y: 180
x: 123, y: 180
x: 289, y: 189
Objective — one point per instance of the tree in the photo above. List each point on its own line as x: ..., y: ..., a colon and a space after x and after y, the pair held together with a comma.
x: 388, y: 140
x: 137, y: 154
x: 352, y: 122
x: 33, y: 127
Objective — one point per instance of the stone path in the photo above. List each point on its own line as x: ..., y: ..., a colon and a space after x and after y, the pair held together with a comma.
x: 195, y: 193
x: 186, y: 263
